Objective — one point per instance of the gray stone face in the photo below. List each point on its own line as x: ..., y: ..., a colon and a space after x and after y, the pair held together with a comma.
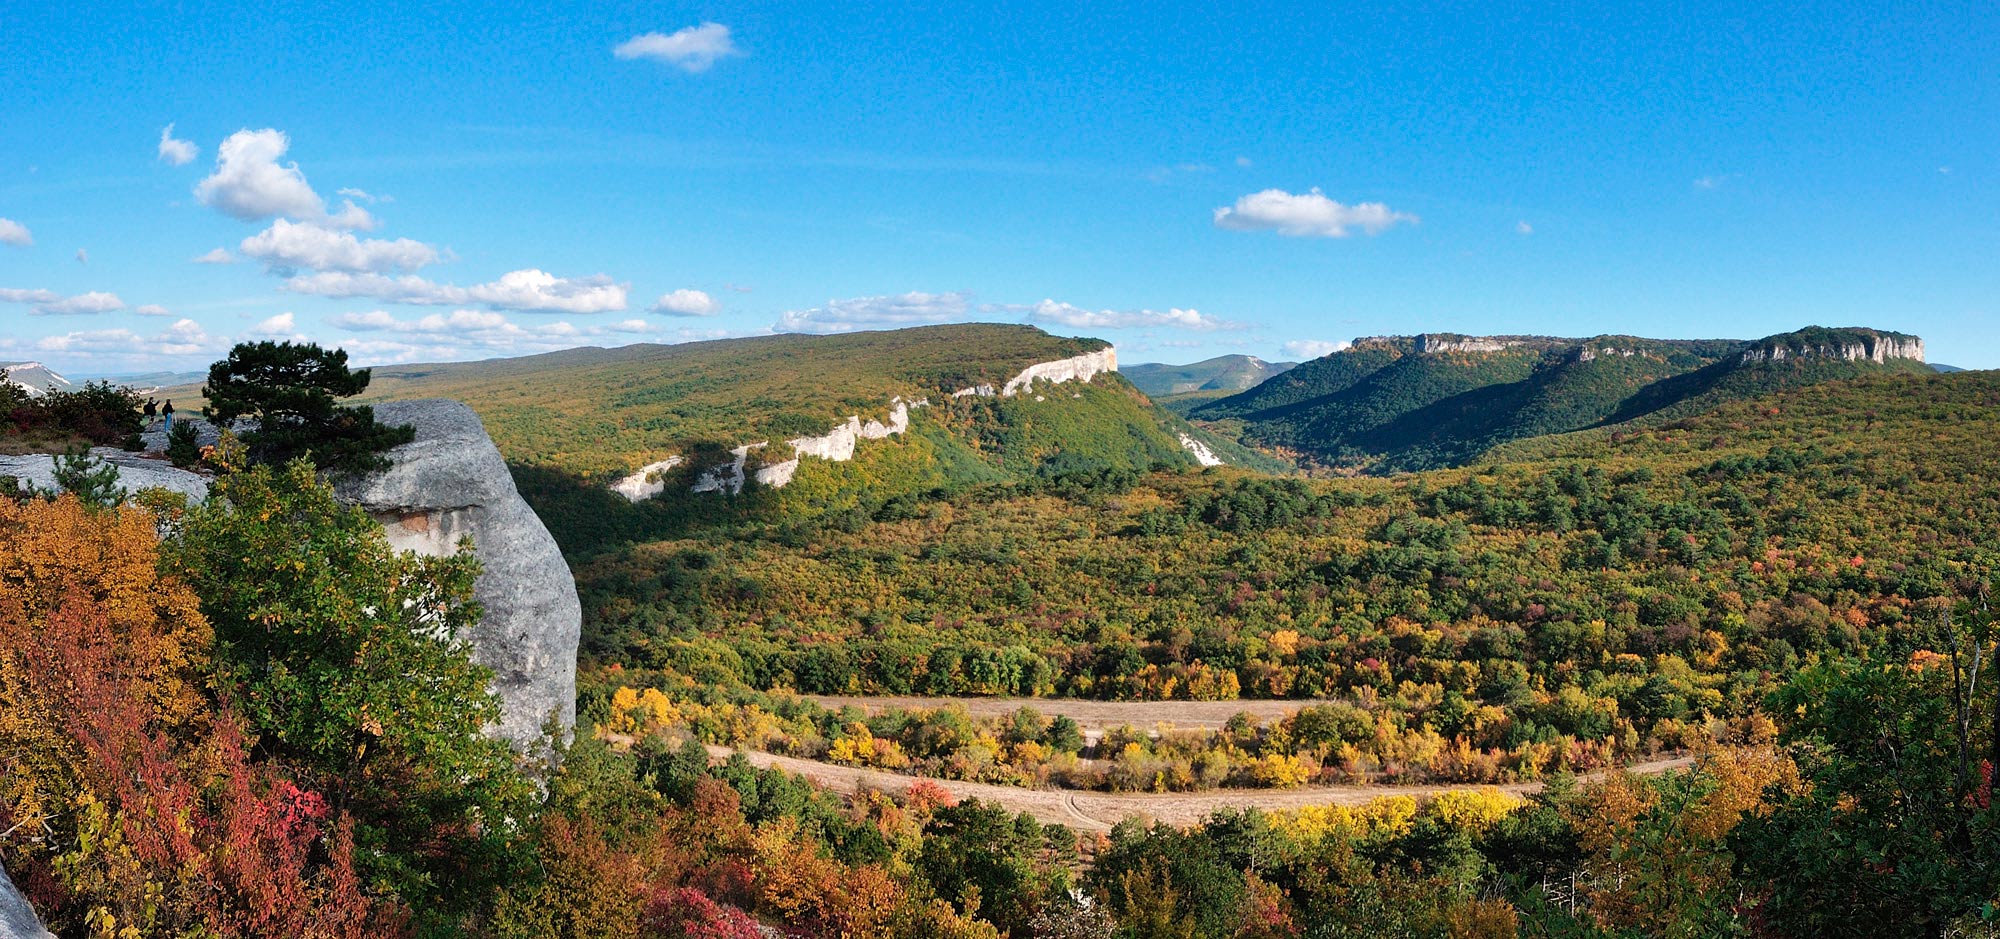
x: 135, y: 472
x: 17, y: 918
x: 451, y: 482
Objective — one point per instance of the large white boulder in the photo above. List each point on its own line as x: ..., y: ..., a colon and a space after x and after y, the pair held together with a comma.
x: 451, y: 482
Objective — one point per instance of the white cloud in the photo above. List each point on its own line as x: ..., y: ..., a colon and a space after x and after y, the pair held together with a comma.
x: 1311, y: 215
x: 288, y: 246
x: 361, y: 194
x: 217, y: 256
x: 529, y: 289
x: 50, y: 303
x: 909, y: 309
x: 1524, y: 228
x: 176, y: 152
x: 687, y: 303
x: 250, y: 184
x: 151, y: 309
x: 184, y: 337
x: 1050, y: 311
x: 282, y: 327
x: 693, y: 49
x: 82, y: 256
x: 462, y: 333
x: 1304, y: 349
x: 14, y: 233
x: 1243, y: 161
x: 365, y: 322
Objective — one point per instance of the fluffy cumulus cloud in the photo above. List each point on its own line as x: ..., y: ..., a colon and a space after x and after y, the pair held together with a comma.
x: 250, y: 184
x: 1304, y: 349
x: 1064, y: 314
x: 184, y: 337
x: 283, y: 326
x: 908, y: 309
x: 50, y: 303
x: 216, y: 256
x: 379, y: 336
x: 176, y: 152
x: 151, y: 309
x: 693, y: 49
x: 1307, y: 215
x: 686, y: 303
x: 14, y: 233
x: 529, y: 290
x: 289, y: 246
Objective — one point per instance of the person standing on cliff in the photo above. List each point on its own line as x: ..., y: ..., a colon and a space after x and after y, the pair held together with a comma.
x: 168, y: 411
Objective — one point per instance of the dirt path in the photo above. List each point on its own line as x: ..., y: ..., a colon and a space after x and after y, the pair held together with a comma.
x: 1098, y: 811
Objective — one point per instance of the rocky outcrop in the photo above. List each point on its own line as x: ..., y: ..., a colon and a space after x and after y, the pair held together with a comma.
x: 1875, y: 347
x: 448, y: 483
x: 1075, y: 368
x: 1440, y: 342
x: 17, y: 918
x: 838, y: 444
x: 135, y: 472
x: 648, y: 482
x: 1202, y: 454
x: 728, y: 478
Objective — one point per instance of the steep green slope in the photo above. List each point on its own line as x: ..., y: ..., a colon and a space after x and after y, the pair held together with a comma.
x: 1222, y: 373
x: 1788, y: 360
x: 1571, y: 388
x: 601, y: 411
x: 1352, y: 397
x: 1408, y: 403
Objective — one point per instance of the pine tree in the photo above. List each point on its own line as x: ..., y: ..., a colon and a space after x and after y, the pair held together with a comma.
x: 291, y: 390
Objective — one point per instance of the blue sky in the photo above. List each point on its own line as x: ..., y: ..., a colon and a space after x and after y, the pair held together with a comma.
x: 453, y: 181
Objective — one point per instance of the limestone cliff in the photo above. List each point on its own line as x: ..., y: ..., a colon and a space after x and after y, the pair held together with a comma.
x: 1075, y: 368
x: 1847, y: 345
x: 450, y: 482
x: 838, y: 444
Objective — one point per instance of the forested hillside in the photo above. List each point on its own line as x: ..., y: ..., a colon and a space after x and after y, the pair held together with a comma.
x: 1599, y: 594
x: 1403, y: 403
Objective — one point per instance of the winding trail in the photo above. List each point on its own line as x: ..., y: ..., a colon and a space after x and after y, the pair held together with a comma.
x: 1098, y: 811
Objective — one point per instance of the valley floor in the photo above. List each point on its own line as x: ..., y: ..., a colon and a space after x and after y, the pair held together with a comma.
x: 1094, y: 717
x: 1098, y: 811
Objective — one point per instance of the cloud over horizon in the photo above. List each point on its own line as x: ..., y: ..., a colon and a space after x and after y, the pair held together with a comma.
x: 686, y: 302
x: 1307, y: 215
x: 693, y: 49
x: 1305, y: 350
x: 288, y: 246
x: 50, y: 303
x: 857, y: 313
x: 527, y: 290
x: 249, y: 184
x: 176, y: 152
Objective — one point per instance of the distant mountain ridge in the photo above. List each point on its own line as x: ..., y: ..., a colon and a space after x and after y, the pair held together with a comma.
x: 1222, y: 373
x: 1393, y: 403
x: 37, y: 379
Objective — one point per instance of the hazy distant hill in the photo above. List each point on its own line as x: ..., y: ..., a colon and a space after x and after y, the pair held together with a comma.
x: 1412, y: 402
x: 1944, y: 369
x: 1222, y: 373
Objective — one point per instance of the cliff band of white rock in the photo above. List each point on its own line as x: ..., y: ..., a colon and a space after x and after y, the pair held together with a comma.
x: 1871, y: 349
x: 1202, y: 454
x: 838, y: 445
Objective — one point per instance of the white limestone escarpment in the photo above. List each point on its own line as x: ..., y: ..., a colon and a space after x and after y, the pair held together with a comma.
x: 648, y: 482
x: 1075, y: 368
x: 1871, y: 348
x: 451, y: 482
x: 1202, y: 454
x: 838, y: 444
